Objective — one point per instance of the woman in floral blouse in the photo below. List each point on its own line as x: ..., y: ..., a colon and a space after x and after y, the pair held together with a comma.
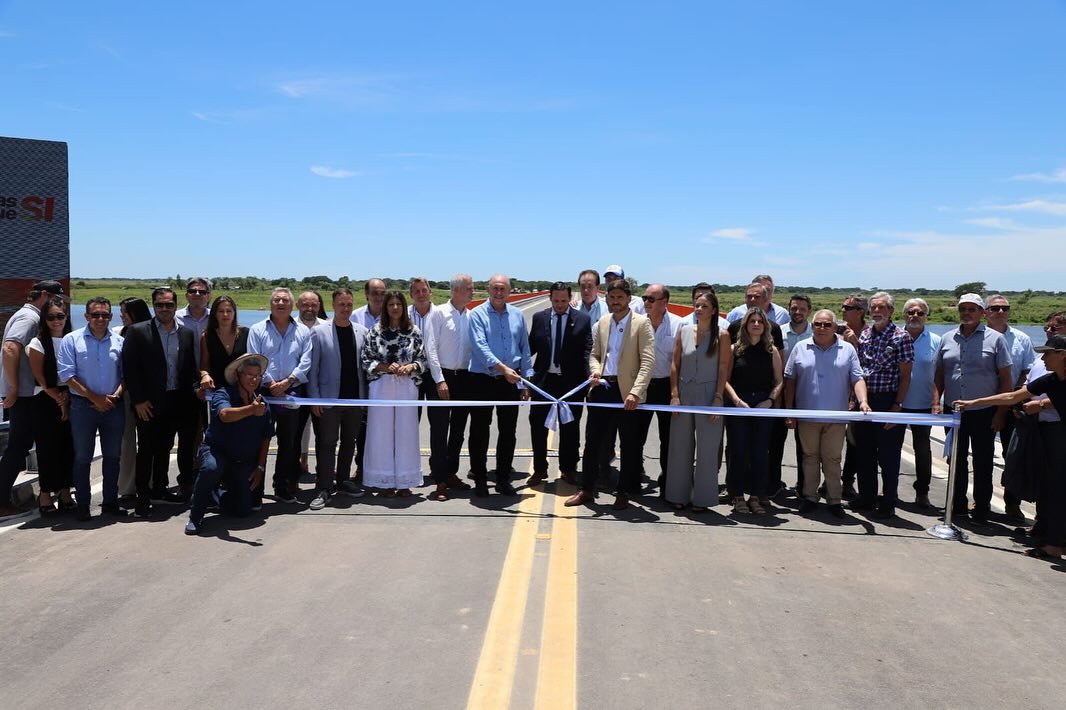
x: 395, y: 362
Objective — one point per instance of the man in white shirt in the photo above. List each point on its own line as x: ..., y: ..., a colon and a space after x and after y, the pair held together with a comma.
x: 774, y: 312
x: 665, y: 325
x: 447, y: 344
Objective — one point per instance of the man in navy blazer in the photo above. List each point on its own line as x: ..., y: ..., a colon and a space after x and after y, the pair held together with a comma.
x: 161, y: 376
x: 560, y: 339
x: 336, y: 374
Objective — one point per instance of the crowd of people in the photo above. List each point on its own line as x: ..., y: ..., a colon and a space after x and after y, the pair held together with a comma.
x: 224, y: 391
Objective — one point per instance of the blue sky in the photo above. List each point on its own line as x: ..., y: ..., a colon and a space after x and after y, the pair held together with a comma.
x: 826, y: 143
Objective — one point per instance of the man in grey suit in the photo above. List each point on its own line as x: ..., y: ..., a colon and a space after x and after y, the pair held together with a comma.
x: 336, y: 374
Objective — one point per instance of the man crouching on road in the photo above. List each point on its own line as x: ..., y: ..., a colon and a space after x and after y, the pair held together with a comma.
x: 235, y: 446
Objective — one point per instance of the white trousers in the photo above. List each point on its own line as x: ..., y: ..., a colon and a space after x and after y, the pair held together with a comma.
x: 392, y: 458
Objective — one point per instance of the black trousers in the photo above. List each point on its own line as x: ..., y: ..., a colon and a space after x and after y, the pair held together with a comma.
x: 19, y: 442
x: 447, y: 427
x: 1004, y: 439
x: 495, y: 389
x: 658, y: 393
x: 288, y: 429
x: 55, y: 446
x: 569, y: 434
x: 975, y: 434
x: 602, y: 421
x: 175, y: 415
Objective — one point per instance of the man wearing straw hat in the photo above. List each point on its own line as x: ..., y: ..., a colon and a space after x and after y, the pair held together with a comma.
x: 233, y: 456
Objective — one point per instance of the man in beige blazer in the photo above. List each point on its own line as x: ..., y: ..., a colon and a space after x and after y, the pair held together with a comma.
x: 622, y: 359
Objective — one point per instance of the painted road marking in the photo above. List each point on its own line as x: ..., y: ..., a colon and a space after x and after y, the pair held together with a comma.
x: 557, y: 671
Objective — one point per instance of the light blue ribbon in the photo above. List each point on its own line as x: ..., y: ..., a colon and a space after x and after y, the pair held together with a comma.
x: 560, y: 412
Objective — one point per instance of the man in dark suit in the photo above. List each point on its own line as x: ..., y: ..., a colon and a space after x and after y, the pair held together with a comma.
x: 560, y: 340
x: 159, y: 367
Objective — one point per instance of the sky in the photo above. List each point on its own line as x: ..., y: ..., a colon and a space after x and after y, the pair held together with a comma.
x: 891, y: 145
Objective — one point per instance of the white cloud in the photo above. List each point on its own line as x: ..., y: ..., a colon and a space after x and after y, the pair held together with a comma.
x: 993, y: 223
x: 740, y: 234
x: 1041, y: 206
x: 337, y: 173
x: 1056, y: 176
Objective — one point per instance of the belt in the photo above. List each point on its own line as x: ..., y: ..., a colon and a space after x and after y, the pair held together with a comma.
x: 453, y: 372
x: 613, y: 379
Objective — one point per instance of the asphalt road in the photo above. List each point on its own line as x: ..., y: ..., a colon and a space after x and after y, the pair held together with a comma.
x: 523, y: 603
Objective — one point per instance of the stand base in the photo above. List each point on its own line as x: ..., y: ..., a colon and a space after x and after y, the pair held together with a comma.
x: 946, y: 532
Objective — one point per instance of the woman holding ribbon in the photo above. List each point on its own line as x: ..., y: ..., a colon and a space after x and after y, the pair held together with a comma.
x: 755, y: 382
x: 702, y: 360
x: 394, y: 361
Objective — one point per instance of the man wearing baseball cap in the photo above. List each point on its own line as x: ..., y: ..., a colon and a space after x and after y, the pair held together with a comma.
x: 17, y: 386
x: 615, y: 271
x: 973, y: 362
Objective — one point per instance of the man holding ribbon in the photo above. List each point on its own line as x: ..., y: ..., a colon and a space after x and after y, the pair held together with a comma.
x: 621, y: 363
x: 560, y: 340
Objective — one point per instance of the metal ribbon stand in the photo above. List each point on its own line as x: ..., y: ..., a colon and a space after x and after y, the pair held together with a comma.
x: 947, y: 530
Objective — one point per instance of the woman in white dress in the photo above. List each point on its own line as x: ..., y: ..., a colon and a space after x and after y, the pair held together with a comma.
x: 394, y: 360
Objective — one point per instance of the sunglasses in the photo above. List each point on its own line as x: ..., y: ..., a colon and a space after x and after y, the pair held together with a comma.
x: 823, y: 324
x: 916, y: 312
x: 999, y: 309
x: 164, y: 306
x: 197, y: 291
x: 851, y: 308
x: 650, y: 299
x: 99, y: 316
x: 56, y: 316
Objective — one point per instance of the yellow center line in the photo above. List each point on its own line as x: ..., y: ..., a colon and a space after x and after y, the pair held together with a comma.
x: 494, y: 677
x: 557, y: 673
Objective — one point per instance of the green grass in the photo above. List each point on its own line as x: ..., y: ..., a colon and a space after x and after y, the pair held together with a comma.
x: 1026, y: 308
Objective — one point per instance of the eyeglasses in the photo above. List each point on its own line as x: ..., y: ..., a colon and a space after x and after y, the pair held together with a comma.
x: 651, y: 299
x: 916, y: 312
x: 197, y: 291
x: 99, y: 316
x: 999, y: 309
x: 164, y: 306
x: 823, y: 324
x: 846, y: 307
x: 1054, y: 326
x: 56, y: 316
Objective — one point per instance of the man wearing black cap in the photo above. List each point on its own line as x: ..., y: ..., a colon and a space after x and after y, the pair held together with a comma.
x: 17, y: 386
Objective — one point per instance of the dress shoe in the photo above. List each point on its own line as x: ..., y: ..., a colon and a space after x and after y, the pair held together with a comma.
x: 113, y: 510
x: 836, y: 510
x: 537, y: 477
x: 579, y: 498
x: 457, y: 483
x: 807, y: 507
x: 82, y: 515
x: 849, y: 492
x: 568, y: 477
x: 505, y: 489
x: 862, y: 504
x: 883, y: 512
x: 978, y: 515
x: 621, y: 502
x: 1014, y: 513
x: 481, y: 489
x: 922, y: 501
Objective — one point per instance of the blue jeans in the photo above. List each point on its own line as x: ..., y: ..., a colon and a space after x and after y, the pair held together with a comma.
x: 233, y: 475
x: 85, y: 422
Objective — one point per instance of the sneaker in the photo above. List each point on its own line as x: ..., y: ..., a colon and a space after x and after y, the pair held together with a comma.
x: 282, y: 495
x: 348, y: 488
x: 193, y: 527
x: 113, y: 510
x: 320, y: 500
x: 142, y: 511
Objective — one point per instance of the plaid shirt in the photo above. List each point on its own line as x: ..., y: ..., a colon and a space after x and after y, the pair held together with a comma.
x: 880, y: 355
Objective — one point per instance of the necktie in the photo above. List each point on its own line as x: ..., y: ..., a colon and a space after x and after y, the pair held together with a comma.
x: 557, y: 351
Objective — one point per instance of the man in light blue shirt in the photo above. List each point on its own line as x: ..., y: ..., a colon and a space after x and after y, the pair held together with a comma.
x: 1022, y: 358
x: 499, y: 356
x: 287, y: 345
x: 773, y: 311
x: 821, y: 374
x: 920, y: 394
x: 589, y: 300
x: 89, y: 361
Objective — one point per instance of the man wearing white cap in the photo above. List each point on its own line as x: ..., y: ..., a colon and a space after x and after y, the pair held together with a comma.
x: 614, y: 271
x: 973, y: 362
